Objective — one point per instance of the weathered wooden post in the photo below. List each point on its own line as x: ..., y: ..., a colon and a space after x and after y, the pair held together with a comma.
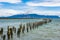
x: 4, y: 37
x: 23, y: 28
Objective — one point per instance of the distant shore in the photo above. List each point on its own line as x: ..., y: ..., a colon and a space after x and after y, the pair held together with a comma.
x: 20, y: 18
x: 29, y: 18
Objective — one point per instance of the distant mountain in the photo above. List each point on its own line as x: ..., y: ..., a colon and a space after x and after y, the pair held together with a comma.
x: 30, y: 16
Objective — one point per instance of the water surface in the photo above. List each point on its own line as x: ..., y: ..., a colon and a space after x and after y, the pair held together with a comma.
x: 49, y: 31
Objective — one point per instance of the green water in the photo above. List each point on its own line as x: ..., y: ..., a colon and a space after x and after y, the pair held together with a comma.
x: 49, y: 31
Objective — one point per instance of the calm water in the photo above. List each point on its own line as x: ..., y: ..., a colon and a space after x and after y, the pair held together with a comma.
x: 49, y: 31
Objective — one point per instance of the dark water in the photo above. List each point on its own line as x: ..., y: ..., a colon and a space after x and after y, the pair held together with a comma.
x: 49, y: 31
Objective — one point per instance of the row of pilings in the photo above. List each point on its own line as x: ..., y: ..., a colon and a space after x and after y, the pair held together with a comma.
x: 22, y: 29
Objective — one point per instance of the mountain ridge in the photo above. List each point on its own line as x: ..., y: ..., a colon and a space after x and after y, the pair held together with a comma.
x: 31, y: 16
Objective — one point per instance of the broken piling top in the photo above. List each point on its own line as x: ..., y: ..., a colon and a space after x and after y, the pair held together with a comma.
x: 47, y: 19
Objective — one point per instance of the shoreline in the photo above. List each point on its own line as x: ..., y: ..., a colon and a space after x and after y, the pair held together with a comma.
x: 29, y: 18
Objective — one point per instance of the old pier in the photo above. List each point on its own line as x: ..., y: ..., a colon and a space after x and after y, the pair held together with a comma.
x: 23, y: 28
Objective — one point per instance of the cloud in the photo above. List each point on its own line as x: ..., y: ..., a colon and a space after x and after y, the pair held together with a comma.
x: 11, y: 1
x: 43, y: 4
x: 45, y: 12
x: 49, y: 7
x: 29, y: 8
x: 9, y: 12
x: 49, y: 3
x: 52, y: 0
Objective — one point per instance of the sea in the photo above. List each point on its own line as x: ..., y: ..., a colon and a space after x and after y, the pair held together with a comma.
x: 49, y: 31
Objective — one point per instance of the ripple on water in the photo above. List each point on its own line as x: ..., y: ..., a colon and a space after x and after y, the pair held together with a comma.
x: 50, y: 31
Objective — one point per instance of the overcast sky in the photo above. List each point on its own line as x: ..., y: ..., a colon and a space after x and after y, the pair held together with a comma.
x: 41, y: 7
